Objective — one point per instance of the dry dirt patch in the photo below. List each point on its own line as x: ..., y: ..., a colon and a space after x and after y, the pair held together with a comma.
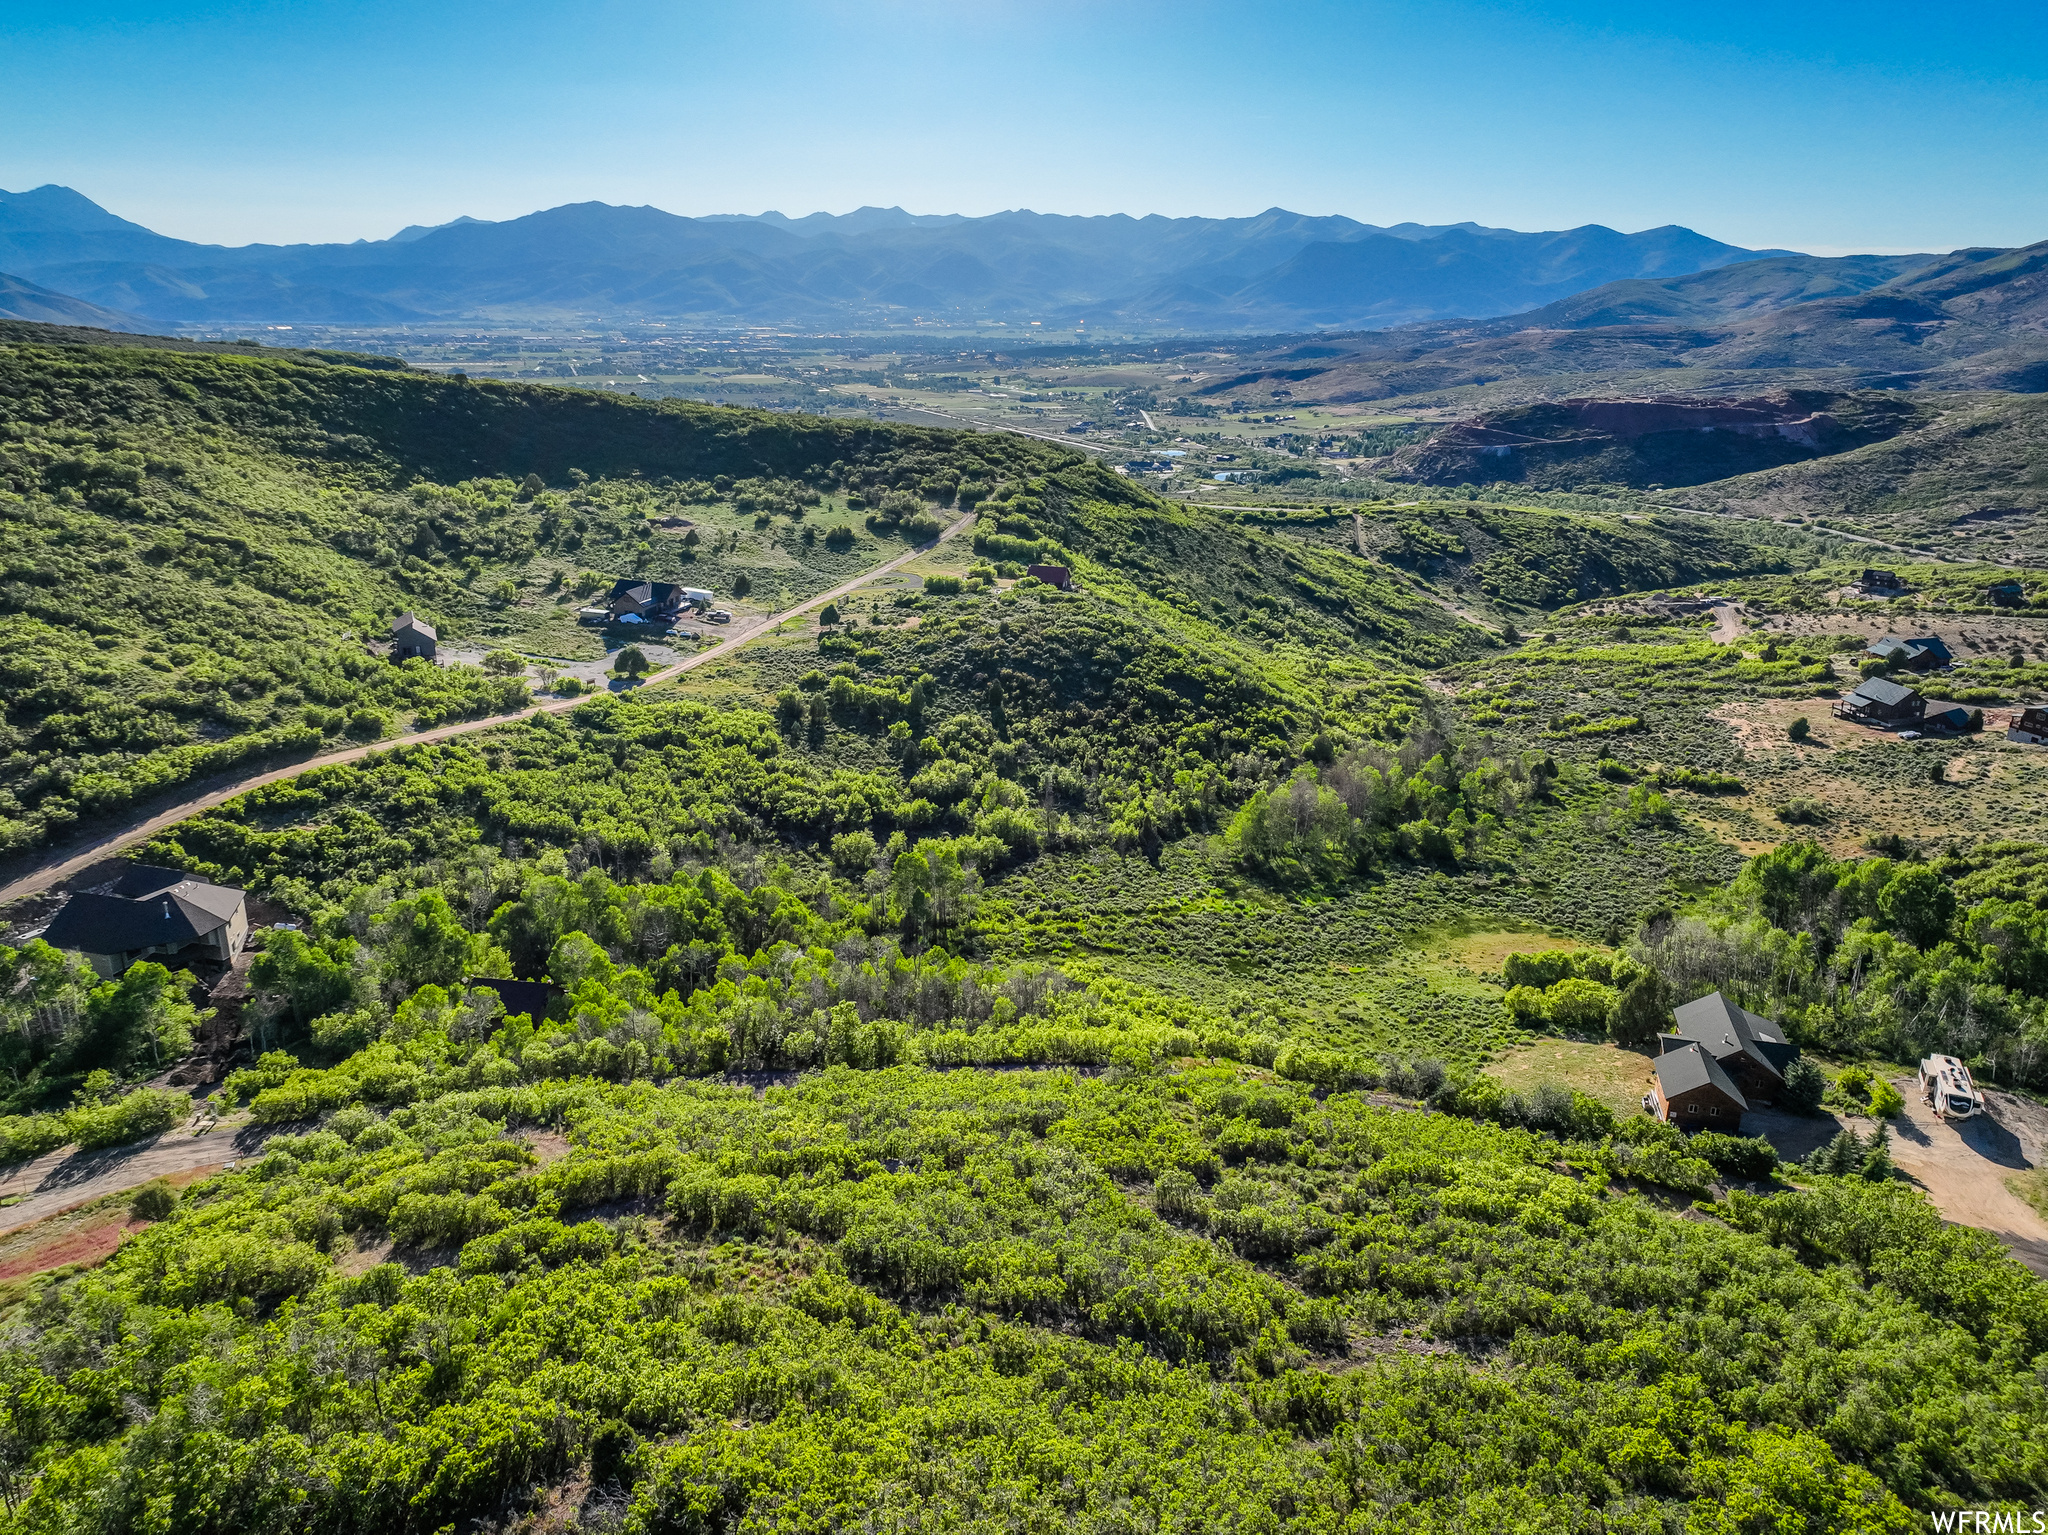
x: 1617, y: 1077
x: 1962, y: 1166
x: 87, y: 1241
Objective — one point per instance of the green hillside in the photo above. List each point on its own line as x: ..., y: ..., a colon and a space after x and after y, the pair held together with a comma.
x: 199, y: 542
x: 1011, y: 1057
x: 1975, y: 478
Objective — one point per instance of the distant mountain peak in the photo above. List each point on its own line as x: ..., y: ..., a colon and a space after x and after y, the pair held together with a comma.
x: 413, y: 232
x: 54, y: 208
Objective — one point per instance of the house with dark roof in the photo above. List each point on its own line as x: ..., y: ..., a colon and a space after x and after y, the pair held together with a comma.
x: 1952, y: 721
x: 1881, y: 701
x: 148, y: 911
x: 1749, y: 1048
x: 646, y: 602
x: 411, y: 636
x: 529, y: 997
x: 1694, y: 1093
x: 1052, y: 575
x: 2005, y: 594
x: 2029, y: 727
x: 1922, y: 653
x: 1881, y: 583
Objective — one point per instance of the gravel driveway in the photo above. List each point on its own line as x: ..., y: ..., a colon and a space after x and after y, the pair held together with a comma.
x: 58, y: 1180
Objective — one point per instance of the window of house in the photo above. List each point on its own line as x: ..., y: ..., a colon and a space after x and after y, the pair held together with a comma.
x: 1715, y: 1111
x: 1692, y: 1108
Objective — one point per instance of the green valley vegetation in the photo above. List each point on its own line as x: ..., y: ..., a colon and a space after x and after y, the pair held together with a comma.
x: 201, y: 542
x: 1003, y: 1056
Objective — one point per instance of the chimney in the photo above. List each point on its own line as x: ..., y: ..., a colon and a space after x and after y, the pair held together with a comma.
x: 167, y: 908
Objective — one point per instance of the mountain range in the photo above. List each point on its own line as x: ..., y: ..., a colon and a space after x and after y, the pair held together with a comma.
x: 1972, y: 319
x: 875, y: 266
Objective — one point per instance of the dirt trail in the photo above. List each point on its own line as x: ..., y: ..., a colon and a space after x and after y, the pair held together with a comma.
x: 1727, y: 624
x: 77, y: 858
x: 1962, y: 1165
x: 59, y: 1180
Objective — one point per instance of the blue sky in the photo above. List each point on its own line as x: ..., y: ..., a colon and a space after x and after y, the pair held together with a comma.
x: 1822, y: 127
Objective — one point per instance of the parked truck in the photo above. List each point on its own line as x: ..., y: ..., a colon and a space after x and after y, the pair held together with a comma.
x: 1945, y: 1084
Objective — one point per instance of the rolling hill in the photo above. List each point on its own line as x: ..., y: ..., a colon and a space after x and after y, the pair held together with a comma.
x: 1971, y: 476
x: 999, y: 1056
x: 1975, y: 319
x: 21, y: 300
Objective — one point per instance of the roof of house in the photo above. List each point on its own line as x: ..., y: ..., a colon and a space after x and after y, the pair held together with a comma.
x: 139, y: 881
x: 1681, y: 1071
x: 1880, y: 690
x: 653, y: 593
x: 1957, y: 718
x: 412, y: 623
x: 93, y: 922
x: 1724, y: 1029
x: 529, y: 997
x: 1912, y: 649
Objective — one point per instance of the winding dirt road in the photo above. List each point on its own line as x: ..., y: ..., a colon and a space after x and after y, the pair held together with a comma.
x: 64, y: 1179
x: 76, y: 858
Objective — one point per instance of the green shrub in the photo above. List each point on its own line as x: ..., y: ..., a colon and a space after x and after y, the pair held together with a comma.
x: 153, y: 1202
x: 1747, y: 1157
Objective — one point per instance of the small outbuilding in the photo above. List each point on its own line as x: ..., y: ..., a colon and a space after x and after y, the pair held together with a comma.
x: 1881, y: 701
x: 147, y: 911
x: 412, y: 636
x: 2005, y: 594
x: 1052, y: 575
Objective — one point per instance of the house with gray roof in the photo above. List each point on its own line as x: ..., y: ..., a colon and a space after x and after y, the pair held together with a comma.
x: 1881, y: 701
x: 412, y: 635
x: 1748, y: 1048
x: 1921, y: 653
x: 146, y: 911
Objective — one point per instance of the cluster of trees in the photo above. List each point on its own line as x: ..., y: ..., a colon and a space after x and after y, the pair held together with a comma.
x: 926, y: 1294
x: 60, y: 1025
x: 1428, y: 800
x: 1888, y: 957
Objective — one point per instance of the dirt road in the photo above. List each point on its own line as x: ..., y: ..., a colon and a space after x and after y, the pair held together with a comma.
x: 55, y: 1182
x: 77, y: 858
x: 1727, y: 624
x: 1962, y: 1166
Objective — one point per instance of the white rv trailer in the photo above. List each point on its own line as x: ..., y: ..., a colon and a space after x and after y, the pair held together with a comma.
x: 1945, y: 1083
